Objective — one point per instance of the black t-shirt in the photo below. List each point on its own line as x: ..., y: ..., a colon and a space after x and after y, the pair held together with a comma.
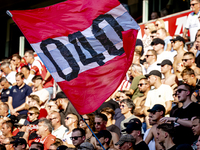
x: 185, y: 134
x: 173, y: 148
x: 141, y: 146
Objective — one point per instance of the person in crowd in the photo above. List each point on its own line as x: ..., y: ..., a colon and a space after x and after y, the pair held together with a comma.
x: 148, y: 27
x: 100, y: 124
x: 65, y: 106
x: 27, y: 75
x: 134, y: 128
x: 105, y: 138
x: 6, y: 89
x: 137, y: 60
x: 19, y: 144
x: 189, y: 78
x: 184, y: 115
x: 4, y: 110
x: 51, y: 106
x: 196, y: 49
x: 136, y: 72
x: 110, y: 126
x: 58, y: 129
x: 163, y: 12
x: 124, y: 94
x: 169, y: 78
x: 158, y: 45
x: 18, y: 64
x: 37, y: 68
x: 162, y: 94
x: 17, y: 97
x: 151, y: 59
x: 176, y: 104
x: 39, y: 90
x: 195, y: 129
x: 34, y: 101
x: 7, y: 144
x: 127, y: 108
x: 7, y: 129
x: 178, y: 44
x: 71, y: 121
x: 139, y: 102
x: 44, y: 131
x: 89, y: 119
x: 162, y: 34
x: 87, y: 145
x: 159, y: 24
x: 56, y: 144
x: 189, y: 62
x: 126, y: 142
x: 36, y: 146
x: 165, y: 133
x: 9, y: 74
x: 154, y: 15
x: 192, y: 23
x: 155, y: 114
x: 33, y: 114
x: 78, y: 137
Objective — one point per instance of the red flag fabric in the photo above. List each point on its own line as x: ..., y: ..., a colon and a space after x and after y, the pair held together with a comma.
x: 87, y: 46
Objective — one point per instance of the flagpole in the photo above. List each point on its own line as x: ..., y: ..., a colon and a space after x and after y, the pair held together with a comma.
x: 92, y: 132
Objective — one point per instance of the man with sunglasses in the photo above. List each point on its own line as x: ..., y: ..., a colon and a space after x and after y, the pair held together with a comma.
x: 78, y: 137
x: 192, y: 23
x: 182, y: 116
x: 189, y: 62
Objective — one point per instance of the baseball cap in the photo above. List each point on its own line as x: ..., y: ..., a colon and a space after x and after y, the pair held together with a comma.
x: 165, y: 62
x: 134, y: 120
x: 155, y: 73
x: 104, y: 133
x: 19, y: 141
x: 178, y: 38
x: 134, y: 125
x: 125, y: 138
x: 22, y: 122
x: 157, y: 41
x: 60, y: 95
x: 157, y: 107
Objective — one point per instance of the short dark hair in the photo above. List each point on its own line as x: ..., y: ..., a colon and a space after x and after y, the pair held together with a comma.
x: 187, y: 71
x: 37, y: 77
x: 3, y: 79
x: 80, y: 130
x: 129, y: 103
x: 9, y: 124
x: 169, y: 128
x: 40, y: 146
x: 26, y: 66
x: 102, y: 116
x: 189, y: 53
x: 17, y: 56
x: 20, y: 74
x: 108, y: 110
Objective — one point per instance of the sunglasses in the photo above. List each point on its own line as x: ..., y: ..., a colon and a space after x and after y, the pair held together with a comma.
x: 84, y: 119
x: 156, y: 25
x: 98, y: 123
x: 67, y: 118
x: 193, y: 4
x: 180, y: 90
x: 148, y: 56
x: 153, y: 112
x: 141, y: 84
x: 186, y: 59
x: 175, y: 94
x: 30, y: 113
x: 75, y: 137
x: 152, y: 36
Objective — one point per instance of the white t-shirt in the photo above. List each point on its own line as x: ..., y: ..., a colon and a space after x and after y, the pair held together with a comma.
x: 43, y: 95
x: 29, y: 79
x: 159, y: 96
x: 67, y: 136
x: 152, y: 144
x: 154, y: 66
x: 193, y: 25
x: 165, y: 55
x: 11, y: 77
x: 59, y: 133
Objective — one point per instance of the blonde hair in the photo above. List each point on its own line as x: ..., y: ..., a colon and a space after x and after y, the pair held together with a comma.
x: 151, y: 26
x: 162, y: 23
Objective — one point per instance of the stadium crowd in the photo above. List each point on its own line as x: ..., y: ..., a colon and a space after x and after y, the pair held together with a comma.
x: 156, y: 107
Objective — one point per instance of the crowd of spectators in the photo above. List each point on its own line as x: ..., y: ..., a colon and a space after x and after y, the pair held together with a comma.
x: 156, y: 107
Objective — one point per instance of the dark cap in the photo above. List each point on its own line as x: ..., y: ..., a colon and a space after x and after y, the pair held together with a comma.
x: 134, y: 120
x: 134, y: 125
x: 19, y: 141
x: 22, y: 122
x: 104, y: 133
x: 60, y: 95
x: 165, y: 62
x: 157, y: 107
x: 86, y: 145
x: 157, y: 41
x: 125, y: 138
x: 178, y: 38
x: 155, y: 73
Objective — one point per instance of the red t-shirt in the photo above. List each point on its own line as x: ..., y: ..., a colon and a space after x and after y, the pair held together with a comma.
x: 47, y: 141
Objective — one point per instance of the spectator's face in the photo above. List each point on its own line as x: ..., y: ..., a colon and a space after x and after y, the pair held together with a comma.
x: 18, y: 146
x: 188, y: 60
x: 161, y: 135
x: 176, y: 45
x: 188, y: 79
x: 27, y: 57
x: 135, y: 133
x: 25, y: 71
x: 5, y: 85
x: 5, y: 130
x: 19, y: 81
x: 69, y: 120
x: 194, y: 5
x: 16, y: 61
x: 122, y: 96
x: 152, y: 80
x: 197, y: 42
x: 157, y: 25
x: 182, y: 93
x: 32, y: 115
x: 149, y: 56
x: 196, y: 127
x: 37, y: 83
x: 52, y: 147
x: 157, y: 47
x: 125, y: 146
x: 160, y: 34
x: 154, y: 15
x: 77, y: 138
x: 102, y: 140
x: 41, y: 128
x: 155, y: 116
x: 82, y: 123
x: 51, y: 106
x: 5, y: 70
x: 175, y: 96
x: 165, y: 68
x: 8, y: 146
x: 143, y: 85
x: 146, y: 30
x: 54, y: 119
x: 34, y: 146
x: 99, y: 124
x: 124, y: 108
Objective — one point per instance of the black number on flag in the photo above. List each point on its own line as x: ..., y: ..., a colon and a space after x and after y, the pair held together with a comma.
x: 95, y: 57
x: 67, y: 56
x: 101, y: 36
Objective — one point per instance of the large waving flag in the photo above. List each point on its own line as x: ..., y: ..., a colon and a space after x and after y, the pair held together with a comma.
x: 87, y: 46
